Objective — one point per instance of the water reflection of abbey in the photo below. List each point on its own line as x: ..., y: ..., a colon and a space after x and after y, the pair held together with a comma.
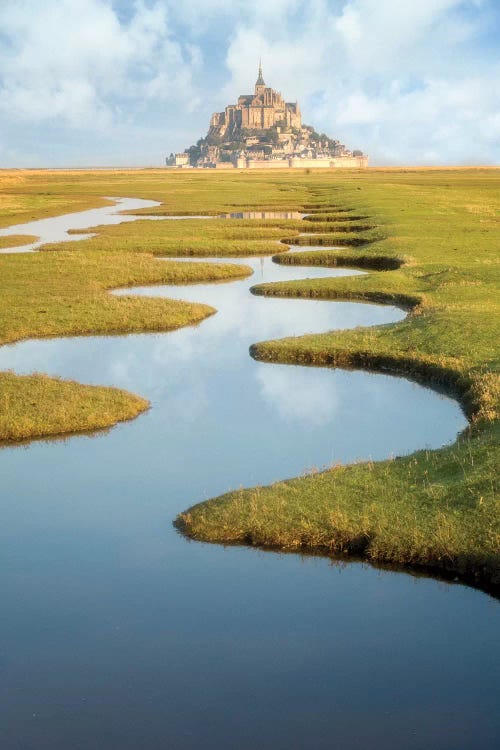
x: 263, y: 215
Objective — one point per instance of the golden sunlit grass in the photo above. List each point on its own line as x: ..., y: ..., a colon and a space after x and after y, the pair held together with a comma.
x: 66, y: 293
x: 16, y: 240
x: 36, y: 406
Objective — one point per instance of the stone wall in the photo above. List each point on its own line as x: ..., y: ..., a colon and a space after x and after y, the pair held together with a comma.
x: 309, y: 163
x: 359, y: 162
x: 340, y: 162
x: 271, y: 164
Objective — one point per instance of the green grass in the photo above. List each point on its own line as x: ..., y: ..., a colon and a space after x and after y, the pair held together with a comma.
x: 190, y: 237
x: 67, y: 293
x: 431, y: 238
x: 435, y: 510
x: 36, y: 406
x: 26, y: 195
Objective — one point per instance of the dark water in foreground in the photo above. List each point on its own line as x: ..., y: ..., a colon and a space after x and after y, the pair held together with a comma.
x: 117, y: 633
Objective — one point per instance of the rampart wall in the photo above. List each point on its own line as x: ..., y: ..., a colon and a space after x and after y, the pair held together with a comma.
x: 339, y: 162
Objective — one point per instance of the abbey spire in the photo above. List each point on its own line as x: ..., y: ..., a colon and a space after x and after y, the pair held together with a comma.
x: 260, y: 79
x: 260, y: 85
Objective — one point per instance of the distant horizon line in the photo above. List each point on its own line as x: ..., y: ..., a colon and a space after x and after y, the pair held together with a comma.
x: 163, y: 168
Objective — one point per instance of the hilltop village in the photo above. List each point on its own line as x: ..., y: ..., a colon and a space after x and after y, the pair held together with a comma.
x: 263, y: 130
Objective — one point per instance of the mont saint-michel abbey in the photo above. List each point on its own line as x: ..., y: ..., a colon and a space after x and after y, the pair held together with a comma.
x: 262, y: 130
x: 263, y: 109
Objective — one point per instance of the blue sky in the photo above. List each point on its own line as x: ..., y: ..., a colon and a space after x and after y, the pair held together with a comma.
x: 103, y: 82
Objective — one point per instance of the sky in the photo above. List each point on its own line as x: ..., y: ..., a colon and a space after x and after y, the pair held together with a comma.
x: 124, y: 82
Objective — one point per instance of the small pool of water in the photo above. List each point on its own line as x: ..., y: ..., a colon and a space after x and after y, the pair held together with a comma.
x: 263, y: 215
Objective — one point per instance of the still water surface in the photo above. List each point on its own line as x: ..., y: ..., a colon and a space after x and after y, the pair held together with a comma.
x: 117, y: 633
x: 56, y: 228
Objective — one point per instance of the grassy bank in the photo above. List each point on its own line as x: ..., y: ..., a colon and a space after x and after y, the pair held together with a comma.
x: 66, y: 294
x: 35, y: 194
x: 16, y: 240
x: 26, y: 195
x: 34, y: 406
x: 438, y: 238
x: 190, y: 237
x: 435, y: 511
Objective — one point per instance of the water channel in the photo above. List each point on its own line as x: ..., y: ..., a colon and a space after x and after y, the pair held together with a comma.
x: 118, y: 633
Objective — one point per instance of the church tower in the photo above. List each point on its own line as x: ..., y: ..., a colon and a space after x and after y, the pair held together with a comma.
x: 260, y: 86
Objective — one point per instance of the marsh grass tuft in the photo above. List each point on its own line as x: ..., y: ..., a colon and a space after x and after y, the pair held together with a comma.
x: 35, y: 405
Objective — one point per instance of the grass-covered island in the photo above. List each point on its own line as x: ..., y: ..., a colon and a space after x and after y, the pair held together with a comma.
x: 430, y: 239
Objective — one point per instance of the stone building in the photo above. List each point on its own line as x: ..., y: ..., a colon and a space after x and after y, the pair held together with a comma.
x: 263, y: 109
x: 178, y: 160
x: 262, y: 130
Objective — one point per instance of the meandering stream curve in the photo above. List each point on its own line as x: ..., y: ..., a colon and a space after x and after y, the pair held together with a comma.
x: 119, y: 633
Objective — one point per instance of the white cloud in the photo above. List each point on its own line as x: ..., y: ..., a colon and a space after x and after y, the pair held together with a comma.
x: 75, y: 60
x: 349, y: 25
x: 386, y: 36
x: 199, y: 14
x: 288, y: 391
x: 358, y: 108
x: 404, y: 81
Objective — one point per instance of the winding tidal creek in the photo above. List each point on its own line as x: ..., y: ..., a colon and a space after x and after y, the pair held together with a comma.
x: 117, y: 633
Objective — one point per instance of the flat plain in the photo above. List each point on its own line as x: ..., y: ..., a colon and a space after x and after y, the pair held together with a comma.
x: 430, y: 239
